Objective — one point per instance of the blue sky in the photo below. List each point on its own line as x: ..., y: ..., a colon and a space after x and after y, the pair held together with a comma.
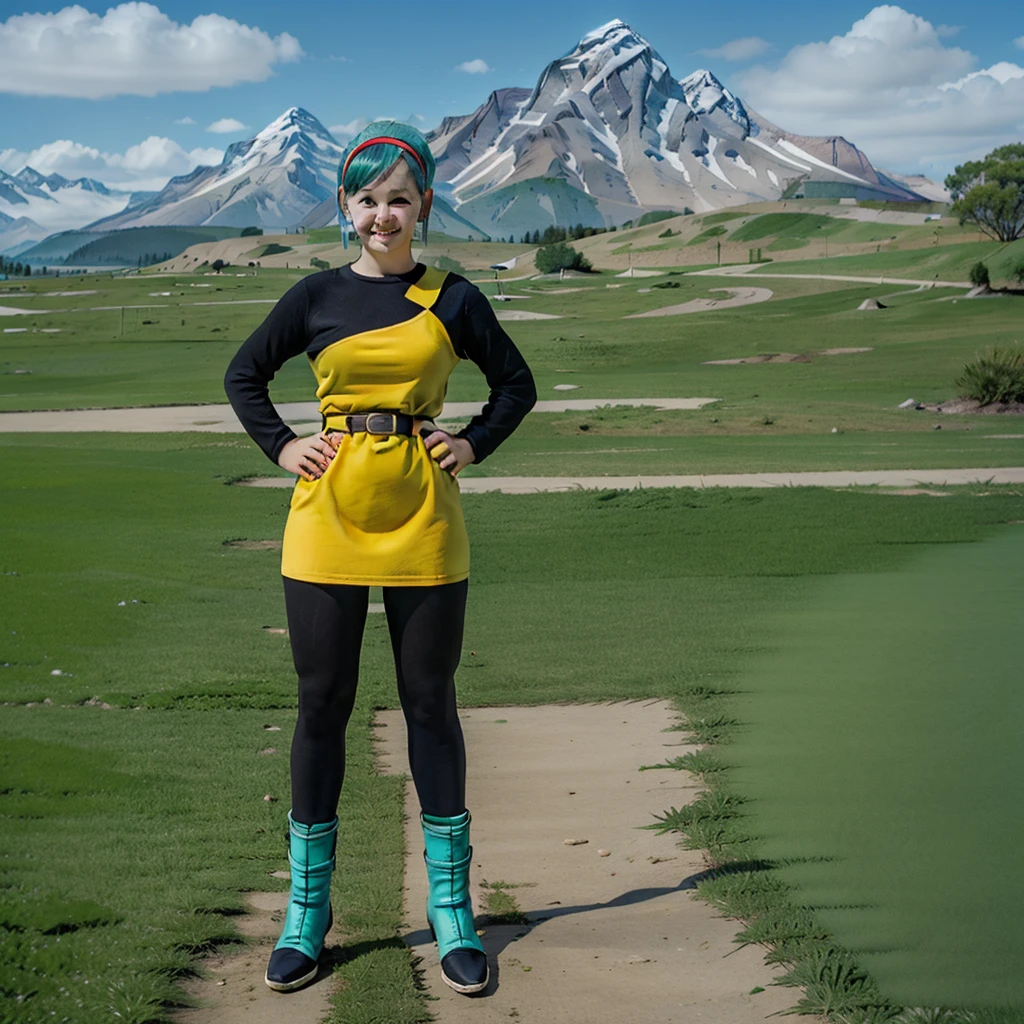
x: 109, y: 92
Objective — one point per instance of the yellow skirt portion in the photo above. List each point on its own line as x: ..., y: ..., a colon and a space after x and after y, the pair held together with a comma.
x: 384, y: 513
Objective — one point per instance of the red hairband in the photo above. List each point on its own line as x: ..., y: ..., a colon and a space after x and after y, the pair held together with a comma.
x: 379, y: 139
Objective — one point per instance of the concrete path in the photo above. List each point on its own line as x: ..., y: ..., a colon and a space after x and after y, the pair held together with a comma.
x: 753, y: 270
x: 612, y: 932
x: 835, y: 478
x: 221, y: 419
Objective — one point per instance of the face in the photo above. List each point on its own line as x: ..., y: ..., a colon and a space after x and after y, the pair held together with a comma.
x: 384, y: 212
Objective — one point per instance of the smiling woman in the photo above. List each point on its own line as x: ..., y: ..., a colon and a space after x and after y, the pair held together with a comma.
x: 377, y: 504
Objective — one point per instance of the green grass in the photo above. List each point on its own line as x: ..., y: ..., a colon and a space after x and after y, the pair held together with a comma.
x: 877, y: 756
x: 113, y: 840
x: 943, y: 262
x: 786, y: 225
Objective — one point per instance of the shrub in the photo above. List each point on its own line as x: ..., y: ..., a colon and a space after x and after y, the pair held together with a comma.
x: 319, y: 264
x: 997, y: 376
x: 979, y: 275
x: 560, y: 257
x: 1016, y: 272
x: 251, y: 231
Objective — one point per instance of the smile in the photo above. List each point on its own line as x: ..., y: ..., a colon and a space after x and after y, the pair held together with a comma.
x: 394, y: 232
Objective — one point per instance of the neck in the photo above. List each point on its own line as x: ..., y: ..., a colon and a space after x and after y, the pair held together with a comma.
x: 374, y: 265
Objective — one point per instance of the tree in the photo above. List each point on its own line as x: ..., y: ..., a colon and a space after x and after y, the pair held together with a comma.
x: 1017, y: 271
x: 250, y: 231
x: 560, y: 256
x: 979, y: 275
x: 990, y: 192
x: 28, y: 270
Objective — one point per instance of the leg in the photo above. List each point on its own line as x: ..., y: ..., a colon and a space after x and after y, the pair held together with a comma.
x: 426, y: 626
x: 325, y: 625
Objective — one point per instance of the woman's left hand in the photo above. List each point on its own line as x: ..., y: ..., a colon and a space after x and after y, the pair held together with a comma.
x: 451, y: 453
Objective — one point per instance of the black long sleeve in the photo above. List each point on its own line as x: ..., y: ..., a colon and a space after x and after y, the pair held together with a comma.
x: 513, y: 391
x: 282, y: 334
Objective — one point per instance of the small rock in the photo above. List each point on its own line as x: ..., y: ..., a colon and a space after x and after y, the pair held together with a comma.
x: 284, y: 875
x: 938, y: 426
x: 908, y: 404
x: 58, y: 672
x: 272, y: 728
x: 269, y: 799
x: 222, y: 982
x: 604, y: 853
x: 835, y: 430
x: 566, y: 387
x: 575, y: 842
x: 269, y: 750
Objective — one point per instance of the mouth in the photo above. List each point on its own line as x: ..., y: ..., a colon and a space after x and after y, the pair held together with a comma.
x: 385, y: 234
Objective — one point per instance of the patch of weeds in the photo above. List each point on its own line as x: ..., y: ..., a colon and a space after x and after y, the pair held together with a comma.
x: 996, y: 376
x: 500, y: 905
x: 701, y: 763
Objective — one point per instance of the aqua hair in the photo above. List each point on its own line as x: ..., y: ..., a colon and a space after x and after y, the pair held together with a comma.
x: 370, y: 163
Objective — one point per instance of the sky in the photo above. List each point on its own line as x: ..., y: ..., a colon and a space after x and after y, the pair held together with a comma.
x: 134, y: 93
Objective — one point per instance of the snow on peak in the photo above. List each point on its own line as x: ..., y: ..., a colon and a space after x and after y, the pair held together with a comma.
x: 611, y: 37
x: 704, y: 93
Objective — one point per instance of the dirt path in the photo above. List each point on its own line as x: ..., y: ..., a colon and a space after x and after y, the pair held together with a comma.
x: 233, y: 991
x: 835, y: 478
x: 220, y: 419
x: 737, y: 297
x: 612, y: 933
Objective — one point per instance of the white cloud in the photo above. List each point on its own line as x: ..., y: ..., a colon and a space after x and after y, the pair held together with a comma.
x: 1002, y: 73
x: 344, y: 132
x: 135, y: 49
x: 143, y: 167
x: 474, y: 67
x: 738, y: 49
x: 225, y: 126
x: 185, y: 120
x: 895, y: 89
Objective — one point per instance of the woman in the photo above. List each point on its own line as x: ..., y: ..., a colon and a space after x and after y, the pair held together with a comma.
x: 377, y: 504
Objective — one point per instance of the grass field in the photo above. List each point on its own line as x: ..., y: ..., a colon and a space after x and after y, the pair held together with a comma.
x: 684, y: 590
x: 147, y: 709
x: 772, y: 416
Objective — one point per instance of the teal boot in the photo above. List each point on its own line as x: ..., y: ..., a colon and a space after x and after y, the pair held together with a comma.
x: 449, y: 911
x: 309, y: 918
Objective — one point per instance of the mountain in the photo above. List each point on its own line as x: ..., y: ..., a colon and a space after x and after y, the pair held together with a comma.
x: 923, y: 186
x: 609, y: 131
x: 55, y: 203
x: 606, y: 133
x: 273, y: 180
x: 18, y: 234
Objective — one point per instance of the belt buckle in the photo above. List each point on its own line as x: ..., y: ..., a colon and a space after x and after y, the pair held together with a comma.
x: 389, y: 417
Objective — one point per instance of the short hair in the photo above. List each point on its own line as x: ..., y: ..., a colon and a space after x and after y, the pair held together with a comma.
x: 370, y: 163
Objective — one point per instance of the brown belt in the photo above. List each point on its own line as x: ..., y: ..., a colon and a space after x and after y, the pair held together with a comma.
x: 384, y: 423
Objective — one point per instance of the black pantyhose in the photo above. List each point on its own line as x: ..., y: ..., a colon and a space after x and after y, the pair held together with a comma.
x: 325, y: 625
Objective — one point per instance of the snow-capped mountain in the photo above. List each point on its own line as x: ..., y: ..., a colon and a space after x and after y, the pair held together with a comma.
x: 55, y: 203
x: 272, y: 180
x: 608, y: 129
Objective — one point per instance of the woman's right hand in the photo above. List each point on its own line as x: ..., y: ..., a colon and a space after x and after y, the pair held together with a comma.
x: 308, y: 457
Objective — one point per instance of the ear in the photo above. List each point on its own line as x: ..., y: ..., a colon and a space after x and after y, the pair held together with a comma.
x: 428, y: 198
x: 341, y: 200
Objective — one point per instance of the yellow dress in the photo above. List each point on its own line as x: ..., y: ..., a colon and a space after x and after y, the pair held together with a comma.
x: 384, y: 512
